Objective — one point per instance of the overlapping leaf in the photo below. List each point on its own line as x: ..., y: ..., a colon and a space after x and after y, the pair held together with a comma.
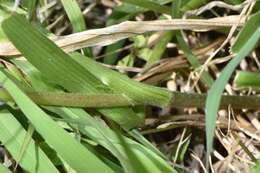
x: 59, y: 68
x: 242, y: 47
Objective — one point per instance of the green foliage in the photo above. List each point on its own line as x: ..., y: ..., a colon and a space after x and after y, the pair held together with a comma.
x: 100, y: 138
x: 150, y: 5
x: 54, y: 64
x: 12, y: 135
x: 246, y: 79
x: 82, y: 75
x: 242, y: 47
x: 76, y: 18
x: 75, y: 154
x: 257, y: 168
x: 3, y: 169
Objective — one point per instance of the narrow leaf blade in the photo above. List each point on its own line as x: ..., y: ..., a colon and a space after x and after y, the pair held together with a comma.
x: 75, y: 154
x: 214, y: 94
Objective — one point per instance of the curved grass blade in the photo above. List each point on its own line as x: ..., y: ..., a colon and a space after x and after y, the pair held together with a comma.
x: 136, y: 91
x: 243, y: 48
x: 135, y: 164
x: 141, y: 139
x: 92, y: 128
x: 60, y: 69
x: 75, y: 154
x: 76, y: 18
x: 109, y: 140
x: 12, y: 136
x: 249, y: 30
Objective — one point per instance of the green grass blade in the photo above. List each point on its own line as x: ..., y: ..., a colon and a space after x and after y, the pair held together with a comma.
x: 192, y: 59
x: 76, y: 18
x: 98, y: 134
x: 109, y: 140
x: 74, y: 14
x: 112, y: 56
x: 159, y: 48
x: 90, y: 127
x: 134, y: 8
x: 3, y: 169
x: 192, y: 4
x: 32, y: 9
x: 126, y: 11
x: 4, y: 13
x: 140, y: 138
x: 32, y: 74
x: 12, y: 136
x: 75, y: 154
x: 60, y: 69
x: 256, y: 168
x: 247, y: 32
x: 150, y: 5
x: 48, y: 55
x: 135, y: 165
x: 246, y: 79
x: 26, y: 142
x: 136, y: 91
x: 214, y: 94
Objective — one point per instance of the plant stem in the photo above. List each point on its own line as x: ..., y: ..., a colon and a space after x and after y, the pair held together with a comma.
x: 117, y: 100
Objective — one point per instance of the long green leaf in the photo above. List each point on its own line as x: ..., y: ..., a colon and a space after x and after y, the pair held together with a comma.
x: 135, y: 164
x: 76, y: 18
x: 108, y: 139
x: 32, y: 9
x: 248, y: 32
x: 193, y: 60
x: 12, y: 136
x: 26, y: 142
x: 136, y: 91
x: 214, y: 94
x: 75, y: 154
x: 74, y: 14
x: 150, y: 5
x: 92, y: 128
x: 3, y: 169
x: 59, y: 68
